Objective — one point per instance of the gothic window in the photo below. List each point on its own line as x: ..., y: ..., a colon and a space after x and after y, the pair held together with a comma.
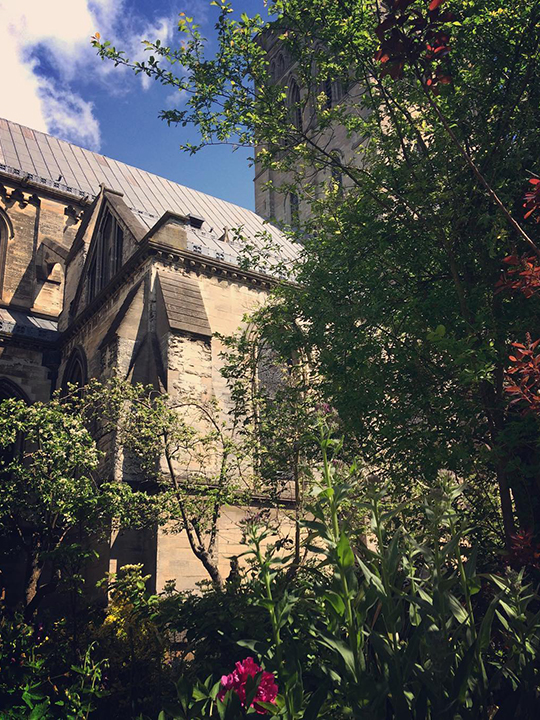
x: 339, y: 90
x: 9, y: 389
x: 335, y: 170
x: 3, y: 252
x: 273, y: 70
x: 107, y: 255
x: 333, y: 90
x: 271, y: 203
x: 280, y: 66
x: 328, y: 91
x: 76, y: 369
x: 294, y: 105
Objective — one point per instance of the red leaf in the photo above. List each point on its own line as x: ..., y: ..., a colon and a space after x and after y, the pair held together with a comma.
x: 434, y: 4
x: 384, y: 26
x: 534, y: 181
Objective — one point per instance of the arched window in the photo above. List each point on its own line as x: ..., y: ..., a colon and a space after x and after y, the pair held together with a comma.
x: 328, y: 91
x: 339, y: 90
x: 272, y: 203
x: 106, y: 255
x: 335, y: 169
x: 273, y: 70
x: 294, y: 105
x: 9, y: 390
x: 76, y: 372
x: 280, y: 66
x: 6, y: 231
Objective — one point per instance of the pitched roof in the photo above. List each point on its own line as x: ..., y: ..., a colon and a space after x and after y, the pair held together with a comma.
x: 69, y: 168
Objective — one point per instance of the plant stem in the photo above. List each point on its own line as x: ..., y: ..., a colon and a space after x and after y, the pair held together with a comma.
x: 350, y: 617
x: 263, y: 564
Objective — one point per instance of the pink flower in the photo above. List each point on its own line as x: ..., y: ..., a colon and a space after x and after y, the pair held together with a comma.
x: 266, y: 691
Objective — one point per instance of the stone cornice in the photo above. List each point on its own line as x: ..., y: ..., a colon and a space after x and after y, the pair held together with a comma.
x: 191, y: 261
x: 23, y: 182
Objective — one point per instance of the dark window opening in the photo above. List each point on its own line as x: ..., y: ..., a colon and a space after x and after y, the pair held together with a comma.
x: 76, y: 370
x: 328, y: 93
x: 295, y: 107
x: 3, y: 253
x: 107, y: 256
x: 8, y: 453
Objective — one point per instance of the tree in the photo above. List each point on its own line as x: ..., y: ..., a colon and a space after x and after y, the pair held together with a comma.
x: 184, y: 452
x: 398, y: 303
x: 275, y: 406
x: 55, y: 496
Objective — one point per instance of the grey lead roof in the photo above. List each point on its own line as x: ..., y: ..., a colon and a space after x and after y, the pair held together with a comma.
x: 14, y: 322
x: 69, y: 168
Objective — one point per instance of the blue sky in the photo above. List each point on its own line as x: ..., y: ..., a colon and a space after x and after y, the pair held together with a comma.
x: 54, y: 82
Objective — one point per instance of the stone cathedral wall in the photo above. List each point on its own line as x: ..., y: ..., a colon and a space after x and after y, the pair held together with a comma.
x: 36, y: 233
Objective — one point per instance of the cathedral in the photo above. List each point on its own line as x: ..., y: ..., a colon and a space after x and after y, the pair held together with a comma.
x: 108, y: 269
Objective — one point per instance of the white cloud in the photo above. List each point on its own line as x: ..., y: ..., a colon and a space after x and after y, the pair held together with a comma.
x: 175, y: 99
x: 69, y: 116
x: 161, y: 29
x: 59, y: 32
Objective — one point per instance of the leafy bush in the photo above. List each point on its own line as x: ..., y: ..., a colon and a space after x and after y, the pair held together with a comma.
x: 37, y: 679
x: 404, y: 626
x: 381, y: 620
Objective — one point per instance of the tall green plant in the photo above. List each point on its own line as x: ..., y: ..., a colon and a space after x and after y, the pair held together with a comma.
x: 408, y: 626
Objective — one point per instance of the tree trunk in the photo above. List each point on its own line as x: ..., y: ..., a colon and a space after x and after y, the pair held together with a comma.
x: 34, y: 592
x: 211, y: 567
x: 34, y: 569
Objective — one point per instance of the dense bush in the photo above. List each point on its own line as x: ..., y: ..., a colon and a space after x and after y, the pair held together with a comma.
x: 377, y: 623
x: 40, y: 676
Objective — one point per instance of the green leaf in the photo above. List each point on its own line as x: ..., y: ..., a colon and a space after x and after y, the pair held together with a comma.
x: 372, y: 578
x: 344, y: 552
x: 315, y: 703
x: 484, y: 634
x: 40, y: 711
x: 343, y: 650
x: 463, y: 673
x: 457, y: 609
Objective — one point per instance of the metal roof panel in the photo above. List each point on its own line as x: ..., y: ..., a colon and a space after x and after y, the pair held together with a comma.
x: 81, y: 171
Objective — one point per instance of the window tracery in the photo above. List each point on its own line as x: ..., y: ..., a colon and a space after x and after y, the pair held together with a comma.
x: 294, y: 105
x: 107, y: 255
x: 76, y: 370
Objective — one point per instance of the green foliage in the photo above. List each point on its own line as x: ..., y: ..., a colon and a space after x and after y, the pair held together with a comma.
x: 130, y: 639
x: 208, y: 627
x: 37, y: 680
x: 407, y: 626
x: 54, y: 494
x: 379, y: 621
